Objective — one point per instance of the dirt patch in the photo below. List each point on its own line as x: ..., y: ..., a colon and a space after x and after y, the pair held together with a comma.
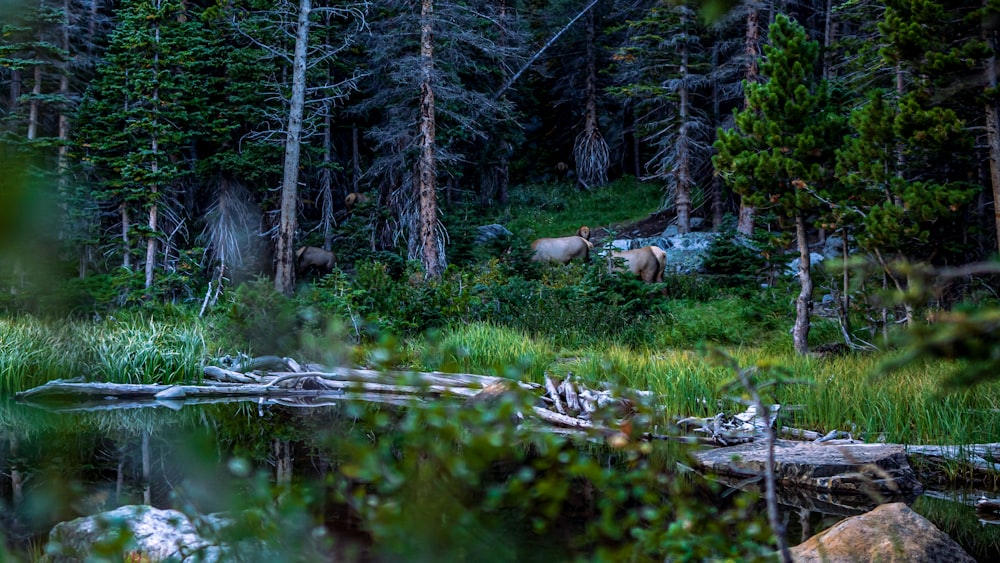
x: 651, y: 226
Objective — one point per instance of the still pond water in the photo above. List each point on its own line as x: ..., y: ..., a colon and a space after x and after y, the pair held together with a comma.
x: 56, y: 466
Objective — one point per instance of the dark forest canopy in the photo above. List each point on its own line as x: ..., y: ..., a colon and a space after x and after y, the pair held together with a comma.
x: 183, y: 142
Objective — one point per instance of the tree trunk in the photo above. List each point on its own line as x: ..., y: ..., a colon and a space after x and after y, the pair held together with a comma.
x: 36, y: 96
x: 993, y: 128
x: 591, y: 150
x: 154, y: 166
x: 683, y: 171
x: 426, y: 184
x: 803, y: 305
x: 745, y: 223
x: 284, y: 277
x: 126, y: 244
x: 829, y: 33
x: 326, y: 183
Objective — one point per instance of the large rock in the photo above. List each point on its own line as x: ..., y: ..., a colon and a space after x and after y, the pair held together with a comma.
x: 487, y: 233
x: 835, y: 468
x: 155, y: 533
x: 891, y: 532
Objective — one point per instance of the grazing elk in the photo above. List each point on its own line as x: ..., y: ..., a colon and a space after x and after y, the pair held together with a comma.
x: 648, y: 262
x: 312, y: 257
x: 563, y: 249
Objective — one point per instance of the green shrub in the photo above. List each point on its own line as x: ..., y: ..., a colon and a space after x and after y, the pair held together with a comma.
x: 733, y: 260
x: 259, y: 317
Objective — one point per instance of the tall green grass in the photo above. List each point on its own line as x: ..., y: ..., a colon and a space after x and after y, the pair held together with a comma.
x: 129, y: 348
x: 838, y: 393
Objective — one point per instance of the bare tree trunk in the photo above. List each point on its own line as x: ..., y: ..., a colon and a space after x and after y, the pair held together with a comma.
x: 830, y: 32
x: 153, y: 216
x: 426, y: 184
x: 355, y: 158
x: 326, y: 184
x: 284, y: 277
x: 591, y: 150
x: 153, y: 208
x: 745, y: 223
x: 993, y: 127
x: 717, y: 204
x: 803, y: 305
x: 683, y: 148
x: 36, y: 94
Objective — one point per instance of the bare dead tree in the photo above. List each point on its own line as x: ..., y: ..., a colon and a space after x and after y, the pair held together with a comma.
x: 294, y: 120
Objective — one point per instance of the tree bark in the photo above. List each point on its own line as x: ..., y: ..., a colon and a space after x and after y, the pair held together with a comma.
x: 284, y: 277
x: 683, y: 186
x: 591, y: 150
x: 993, y: 128
x: 126, y: 244
x: 154, y: 166
x: 745, y: 223
x: 36, y: 94
x: 426, y: 184
x: 803, y: 305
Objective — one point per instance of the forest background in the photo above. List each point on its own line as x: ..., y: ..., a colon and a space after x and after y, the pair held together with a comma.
x: 162, y: 160
x: 163, y: 151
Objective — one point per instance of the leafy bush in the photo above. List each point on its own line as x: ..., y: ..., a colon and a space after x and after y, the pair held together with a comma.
x: 263, y: 319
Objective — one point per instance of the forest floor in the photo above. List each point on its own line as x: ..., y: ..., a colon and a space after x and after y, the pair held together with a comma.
x: 651, y: 226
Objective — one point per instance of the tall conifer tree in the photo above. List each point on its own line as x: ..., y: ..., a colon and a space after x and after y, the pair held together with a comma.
x: 781, y: 152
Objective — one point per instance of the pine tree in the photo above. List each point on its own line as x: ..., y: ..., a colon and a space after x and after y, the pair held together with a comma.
x: 909, y: 147
x: 469, y: 117
x: 780, y: 155
x: 147, y: 105
x: 666, y: 58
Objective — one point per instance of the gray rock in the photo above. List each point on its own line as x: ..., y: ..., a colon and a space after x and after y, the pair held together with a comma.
x: 793, y: 267
x: 824, y: 467
x: 891, y: 532
x: 158, y: 534
x: 486, y: 233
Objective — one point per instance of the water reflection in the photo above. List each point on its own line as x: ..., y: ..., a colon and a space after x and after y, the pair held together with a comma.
x: 240, y: 456
x: 207, y: 459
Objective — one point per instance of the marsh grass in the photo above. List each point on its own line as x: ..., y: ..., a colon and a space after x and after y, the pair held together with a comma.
x: 132, y: 348
x: 845, y: 393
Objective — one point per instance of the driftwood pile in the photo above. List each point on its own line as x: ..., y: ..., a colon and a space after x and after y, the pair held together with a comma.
x: 563, y: 406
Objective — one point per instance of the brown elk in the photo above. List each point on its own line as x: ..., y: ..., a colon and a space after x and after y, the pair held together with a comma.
x: 648, y: 262
x: 312, y: 257
x: 563, y: 249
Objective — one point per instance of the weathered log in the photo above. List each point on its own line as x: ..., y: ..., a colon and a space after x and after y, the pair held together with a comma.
x: 554, y: 394
x: 976, y: 455
x: 229, y: 375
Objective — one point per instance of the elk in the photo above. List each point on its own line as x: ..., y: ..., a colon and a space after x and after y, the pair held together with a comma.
x: 312, y: 257
x: 648, y: 262
x: 563, y: 249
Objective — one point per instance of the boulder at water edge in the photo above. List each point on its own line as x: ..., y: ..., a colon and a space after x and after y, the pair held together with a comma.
x: 156, y: 534
x: 891, y: 533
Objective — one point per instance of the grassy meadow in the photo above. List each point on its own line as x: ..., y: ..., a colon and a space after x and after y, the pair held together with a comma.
x: 510, y: 318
